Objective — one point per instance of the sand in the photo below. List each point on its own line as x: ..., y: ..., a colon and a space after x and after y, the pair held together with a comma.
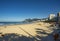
x: 41, y: 29
x: 26, y: 29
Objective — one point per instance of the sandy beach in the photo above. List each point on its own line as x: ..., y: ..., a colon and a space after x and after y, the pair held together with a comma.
x: 28, y: 30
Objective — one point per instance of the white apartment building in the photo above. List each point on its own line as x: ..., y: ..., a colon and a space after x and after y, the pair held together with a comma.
x: 51, y: 16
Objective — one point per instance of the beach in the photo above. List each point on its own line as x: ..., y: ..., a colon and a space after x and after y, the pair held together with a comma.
x: 41, y: 29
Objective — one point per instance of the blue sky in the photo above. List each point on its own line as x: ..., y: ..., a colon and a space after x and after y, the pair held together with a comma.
x: 18, y: 10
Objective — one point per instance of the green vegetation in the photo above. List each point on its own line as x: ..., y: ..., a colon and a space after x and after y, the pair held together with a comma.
x: 31, y: 20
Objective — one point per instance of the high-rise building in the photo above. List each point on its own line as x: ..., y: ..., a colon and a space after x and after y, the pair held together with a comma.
x: 58, y: 16
x: 51, y: 16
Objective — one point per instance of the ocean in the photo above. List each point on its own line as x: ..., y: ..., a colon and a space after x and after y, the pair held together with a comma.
x: 13, y: 23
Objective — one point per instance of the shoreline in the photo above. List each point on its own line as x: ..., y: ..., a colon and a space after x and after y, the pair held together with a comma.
x: 19, y: 24
x: 30, y: 28
x: 36, y: 30
x: 16, y: 24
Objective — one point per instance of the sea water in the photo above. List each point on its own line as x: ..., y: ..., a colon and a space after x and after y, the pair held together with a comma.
x: 13, y: 23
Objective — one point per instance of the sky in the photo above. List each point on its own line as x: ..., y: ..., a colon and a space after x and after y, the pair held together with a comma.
x: 18, y: 10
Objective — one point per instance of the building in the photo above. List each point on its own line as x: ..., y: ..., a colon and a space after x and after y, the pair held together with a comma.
x: 44, y: 19
x: 51, y: 16
x: 58, y: 17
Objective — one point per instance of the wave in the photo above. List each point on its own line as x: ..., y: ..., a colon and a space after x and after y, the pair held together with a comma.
x: 1, y: 23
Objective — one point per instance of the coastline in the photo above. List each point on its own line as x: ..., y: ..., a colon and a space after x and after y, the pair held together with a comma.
x: 30, y: 28
x: 36, y: 30
x: 15, y: 23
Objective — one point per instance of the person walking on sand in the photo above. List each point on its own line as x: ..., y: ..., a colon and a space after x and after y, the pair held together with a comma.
x: 56, y: 36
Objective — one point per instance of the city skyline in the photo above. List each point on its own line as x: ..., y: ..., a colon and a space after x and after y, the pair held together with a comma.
x: 18, y: 10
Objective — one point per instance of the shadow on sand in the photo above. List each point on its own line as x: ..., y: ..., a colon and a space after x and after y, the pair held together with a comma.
x: 18, y: 37
x: 49, y: 36
x: 15, y: 37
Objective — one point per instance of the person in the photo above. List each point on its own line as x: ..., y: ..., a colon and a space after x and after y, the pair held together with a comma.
x: 56, y: 36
